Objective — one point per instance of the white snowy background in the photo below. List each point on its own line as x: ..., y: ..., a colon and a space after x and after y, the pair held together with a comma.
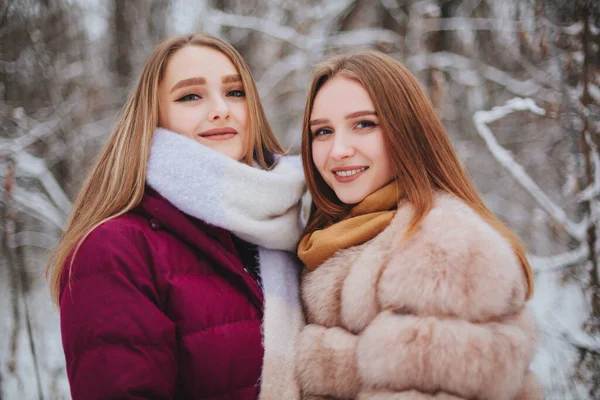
x: 515, y: 82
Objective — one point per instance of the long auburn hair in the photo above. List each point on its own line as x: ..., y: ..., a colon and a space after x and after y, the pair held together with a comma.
x: 116, y: 182
x: 420, y: 150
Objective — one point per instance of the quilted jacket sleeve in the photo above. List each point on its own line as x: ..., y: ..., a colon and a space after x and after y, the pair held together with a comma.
x: 487, y: 360
x: 118, y: 344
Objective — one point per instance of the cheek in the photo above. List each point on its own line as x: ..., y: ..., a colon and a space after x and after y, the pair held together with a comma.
x: 320, y: 155
x: 241, y: 113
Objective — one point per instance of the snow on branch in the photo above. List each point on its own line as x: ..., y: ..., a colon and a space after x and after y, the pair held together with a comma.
x: 279, y: 71
x: 36, y: 239
x: 481, y: 120
x: 28, y: 165
x: 361, y: 37
x: 448, y: 61
x: 593, y: 190
x: 582, y: 341
x: 267, y: 27
x: 559, y: 261
x: 37, y: 205
x: 474, y: 24
x: 395, y: 11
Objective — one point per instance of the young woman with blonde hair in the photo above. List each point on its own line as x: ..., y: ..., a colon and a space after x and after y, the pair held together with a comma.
x: 413, y: 289
x: 175, y: 275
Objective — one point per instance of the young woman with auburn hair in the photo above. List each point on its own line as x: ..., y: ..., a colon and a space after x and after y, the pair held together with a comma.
x: 413, y: 289
x: 169, y: 273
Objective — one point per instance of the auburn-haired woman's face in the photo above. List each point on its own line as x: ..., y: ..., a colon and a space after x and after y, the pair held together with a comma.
x: 348, y: 145
x: 202, y: 97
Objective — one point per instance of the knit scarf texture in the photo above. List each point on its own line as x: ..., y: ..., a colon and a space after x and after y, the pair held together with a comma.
x: 261, y: 207
x: 364, y: 221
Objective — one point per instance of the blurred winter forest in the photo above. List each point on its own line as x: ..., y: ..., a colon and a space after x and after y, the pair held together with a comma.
x: 515, y: 82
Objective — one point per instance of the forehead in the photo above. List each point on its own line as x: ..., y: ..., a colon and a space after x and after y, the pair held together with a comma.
x: 198, y: 61
x: 341, y: 96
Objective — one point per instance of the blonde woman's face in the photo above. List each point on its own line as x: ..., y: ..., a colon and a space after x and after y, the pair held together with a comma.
x: 202, y: 97
x: 348, y: 145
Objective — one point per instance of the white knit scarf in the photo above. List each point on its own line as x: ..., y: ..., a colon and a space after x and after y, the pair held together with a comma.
x: 261, y: 207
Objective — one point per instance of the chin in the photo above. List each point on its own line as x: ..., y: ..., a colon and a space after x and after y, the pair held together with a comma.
x: 236, y: 154
x: 351, y: 198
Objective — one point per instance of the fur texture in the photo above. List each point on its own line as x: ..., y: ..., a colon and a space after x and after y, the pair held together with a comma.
x: 440, y: 315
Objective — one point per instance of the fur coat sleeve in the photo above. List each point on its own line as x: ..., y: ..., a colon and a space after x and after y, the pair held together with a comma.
x: 439, y: 315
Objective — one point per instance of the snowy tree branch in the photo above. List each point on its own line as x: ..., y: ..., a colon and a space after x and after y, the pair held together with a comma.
x: 28, y: 165
x: 272, y: 29
x: 37, y: 205
x: 447, y: 61
x: 593, y: 190
x: 474, y: 24
x: 481, y: 120
x: 560, y: 261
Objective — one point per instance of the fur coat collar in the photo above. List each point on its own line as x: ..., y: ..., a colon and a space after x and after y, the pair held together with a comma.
x: 440, y: 312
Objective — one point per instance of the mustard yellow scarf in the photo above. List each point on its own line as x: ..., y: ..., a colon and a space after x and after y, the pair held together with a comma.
x: 365, y: 221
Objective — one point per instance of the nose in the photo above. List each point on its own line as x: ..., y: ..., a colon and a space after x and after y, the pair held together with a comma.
x: 219, y: 109
x: 342, y: 148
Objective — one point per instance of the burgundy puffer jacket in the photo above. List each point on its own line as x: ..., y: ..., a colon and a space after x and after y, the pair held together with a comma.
x: 159, y: 306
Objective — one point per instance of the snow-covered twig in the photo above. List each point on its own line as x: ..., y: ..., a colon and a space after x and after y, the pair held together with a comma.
x: 28, y: 165
x: 279, y: 71
x: 361, y: 37
x: 395, y: 11
x: 559, y: 261
x: 36, y: 239
x: 481, y: 119
x: 448, y: 61
x: 42, y: 129
x: 593, y: 189
x: 38, y: 206
x: 582, y: 341
x: 473, y: 24
x: 272, y: 29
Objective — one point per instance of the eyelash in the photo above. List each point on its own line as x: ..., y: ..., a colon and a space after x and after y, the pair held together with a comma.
x: 366, y: 124
x: 193, y: 97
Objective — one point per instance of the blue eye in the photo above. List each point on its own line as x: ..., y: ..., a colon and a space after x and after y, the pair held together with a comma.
x: 189, y: 97
x: 322, y: 132
x: 237, y: 93
x: 366, y: 124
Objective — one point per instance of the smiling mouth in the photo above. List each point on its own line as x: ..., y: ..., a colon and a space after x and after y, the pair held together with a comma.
x: 348, y: 175
x: 350, y: 172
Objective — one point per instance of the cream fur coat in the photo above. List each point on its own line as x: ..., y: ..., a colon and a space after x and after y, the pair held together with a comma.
x: 440, y: 316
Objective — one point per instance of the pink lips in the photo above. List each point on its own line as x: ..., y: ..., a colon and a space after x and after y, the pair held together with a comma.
x: 219, y: 134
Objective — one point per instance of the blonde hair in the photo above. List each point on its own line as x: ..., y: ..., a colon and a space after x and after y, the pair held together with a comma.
x: 419, y: 147
x: 117, y: 180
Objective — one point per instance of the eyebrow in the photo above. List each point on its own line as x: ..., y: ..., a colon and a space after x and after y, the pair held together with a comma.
x: 356, y: 114
x: 201, y: 81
